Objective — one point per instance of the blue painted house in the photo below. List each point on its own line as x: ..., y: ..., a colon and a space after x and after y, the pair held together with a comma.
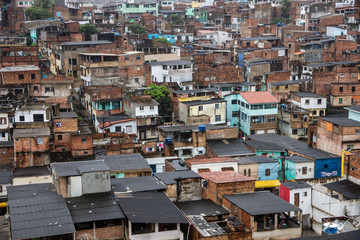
x: 326, y: 164
x: 257, y: 111
x: 170, y: 38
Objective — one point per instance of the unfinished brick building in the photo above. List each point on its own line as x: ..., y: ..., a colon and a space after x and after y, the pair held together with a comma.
x: 214, y: 67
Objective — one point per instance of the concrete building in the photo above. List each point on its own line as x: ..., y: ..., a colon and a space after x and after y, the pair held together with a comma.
x: 212, y: 111
x: 126, y: 68
x: 255, y: 209
x: 147, y: 220
x: 212, y: 164
x: 312, y: 102
x: 298, y: 194
x: 146, y: 112
x: 178, y: 71
x: 297, y: 167
x: 181, y: 185
x: 294, y: 121
x: 258, y: 112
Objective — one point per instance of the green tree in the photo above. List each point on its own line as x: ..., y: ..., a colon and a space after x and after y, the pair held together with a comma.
x: 36, y: 13
x: 176, y: 19
x: 162, y: 40
x: 88, y: 29
x: 45, y: 4
x: 162, y: 95
x: 137, y: 28
x: 285, y: 9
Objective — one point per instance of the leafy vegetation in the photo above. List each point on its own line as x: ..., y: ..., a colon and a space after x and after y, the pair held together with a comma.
x: 36, y: 13
x: 162, y: 40
x: 137, y: 28
x: 176, y: 19
x: 45, y: 4
x: 162, y: 95
x: 88, y: 29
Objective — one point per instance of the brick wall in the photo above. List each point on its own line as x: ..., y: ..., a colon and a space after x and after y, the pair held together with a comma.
x: 6, y: 155
x: 113, y: 232
x: 23, y: 145
x: 20, y: 77
x: 67, y: 125
x: 216, y: 191
x: 80, y: 148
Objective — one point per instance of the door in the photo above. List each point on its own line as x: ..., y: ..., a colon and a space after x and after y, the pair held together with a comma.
x: 296, y: 199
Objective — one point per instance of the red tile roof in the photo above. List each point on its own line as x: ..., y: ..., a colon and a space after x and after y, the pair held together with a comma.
x: 258, y: 97
x: 225, y: 177
x: 209, y: 160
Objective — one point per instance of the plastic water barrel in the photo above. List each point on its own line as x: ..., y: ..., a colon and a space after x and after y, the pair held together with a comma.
x: 202, y: 128
x: 168, y: 140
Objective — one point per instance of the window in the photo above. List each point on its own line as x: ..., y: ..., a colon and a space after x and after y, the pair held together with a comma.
x: 137, y: 80
x: 83, y: 140
x: 21, y: 76
x: 36, y: 88
x: 141, y: 228
x: 59, y: 137
x: 21, y: 118
x: 304, y: 170
x: 38, y: 117
x: 341, y: 89
x: 326, y: 166
x: 167, y: 227
x: 353, y: 89
x: 126, y: 58
x: 49, y: 89
x: 200, y: 170
x: 249, y: 172
x: 295, y: 116
x: 294, y: 131
x: 33, y: 76
x: 235, y: 113
x: 245, y: 172
x: 217, y: 106
x: 227, y: 169
x: 233, y: 101
x: 217, y: 118
x: 267, y: 172
x: 304, y: 194
x: 128, y: 128
x: 340, y: 100
x: 319, y: 101
x: 141, y: 108
x: 200, y: 108
x: 258, y: 119
x: 357, y: 131
x: 152, y: 107
x: 2, y: 120
x: 118, y: 129
x: 271, y: 119
x: 307, y: 101
x: 40, y: 141
x: 138, y: 57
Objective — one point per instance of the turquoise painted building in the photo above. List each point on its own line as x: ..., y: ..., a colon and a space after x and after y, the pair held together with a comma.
x: 268, y: 169
x: 256, y: 112
x: 131, y: 8
x: 297, y: 167
x: 170, y: 38
x: 354, y: 112
x: 267, y: 149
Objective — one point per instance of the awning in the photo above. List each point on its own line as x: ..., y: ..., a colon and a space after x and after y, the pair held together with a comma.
x: 267, y: 184
x: 3, y: 204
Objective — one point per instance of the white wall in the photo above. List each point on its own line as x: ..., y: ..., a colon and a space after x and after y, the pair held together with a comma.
x: 313, y: 103
x: 29, y: 115
x: 174, y: 234
x: 4, y: 126
x: 215, y: 167
x: 159, y: 162
x: 304, y: 201
x: 325, y: 206
x: 123, y: 126
x: 310, y: 170
x: 147, y: 111
x: 75, y: 187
